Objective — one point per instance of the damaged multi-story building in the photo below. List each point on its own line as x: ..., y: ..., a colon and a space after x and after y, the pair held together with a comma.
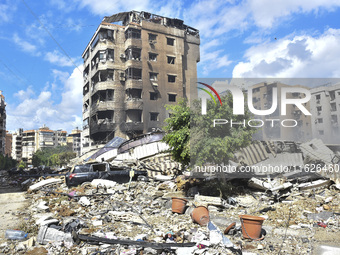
x: 134, y: 64
x: 2, y: 123
x: 273, y: 129
x: 325, y: 109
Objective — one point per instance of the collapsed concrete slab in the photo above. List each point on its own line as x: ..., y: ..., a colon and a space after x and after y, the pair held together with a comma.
x: 44, y: 183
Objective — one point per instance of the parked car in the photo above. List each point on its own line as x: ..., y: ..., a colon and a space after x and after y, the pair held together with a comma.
x: 90, y: 171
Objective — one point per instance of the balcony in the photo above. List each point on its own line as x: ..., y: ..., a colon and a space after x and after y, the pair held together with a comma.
x: 131, y: 126
x: 102, y: 106
x: 86, y: 131
x: 86, y: 114
x: 103, y: 127
x: 133, y: 84
x: 133, y: 63
x: 133, y: 42
x: 134, y: 104
x: 105, y: 85
x: 103, y: 65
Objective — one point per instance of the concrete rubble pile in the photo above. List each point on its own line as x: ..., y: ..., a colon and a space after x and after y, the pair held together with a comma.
x: 300, y: 212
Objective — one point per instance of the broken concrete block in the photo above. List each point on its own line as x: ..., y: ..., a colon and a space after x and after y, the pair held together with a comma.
x: 207, y: 200
x: 267, y: 185
x: 30, y: 242
x: 43, y: 183
x: 314, y: 184
x: 97, y: 223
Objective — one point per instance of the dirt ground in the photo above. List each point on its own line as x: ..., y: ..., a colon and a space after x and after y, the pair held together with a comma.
x: 12, y: 200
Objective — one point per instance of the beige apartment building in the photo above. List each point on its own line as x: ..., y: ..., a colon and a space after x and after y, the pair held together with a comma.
x: 135, y: 63
x: 262, y: 94
x: 74, y: 141
x: 33, y: 140
x: 325, y: 109
x: 2, y: 123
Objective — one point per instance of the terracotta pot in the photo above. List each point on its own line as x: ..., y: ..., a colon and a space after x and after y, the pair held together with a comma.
x: 178, y: 205
x: 200, y: 215
x: 251, y: 226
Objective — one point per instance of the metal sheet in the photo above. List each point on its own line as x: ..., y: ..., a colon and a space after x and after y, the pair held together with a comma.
x: 283, y: 159
x: 317, y: 150
x: 252, y: 154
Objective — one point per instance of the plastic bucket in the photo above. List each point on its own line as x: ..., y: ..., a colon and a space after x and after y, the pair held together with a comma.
x: 251, y: 226
x: 178, y: 205
x: 200, y: 215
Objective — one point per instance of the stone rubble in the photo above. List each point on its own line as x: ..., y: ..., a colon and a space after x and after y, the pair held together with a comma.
x: 295, y: 221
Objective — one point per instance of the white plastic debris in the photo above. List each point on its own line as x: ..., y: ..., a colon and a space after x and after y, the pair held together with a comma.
x: 84, y: 201
x: 103, y: 183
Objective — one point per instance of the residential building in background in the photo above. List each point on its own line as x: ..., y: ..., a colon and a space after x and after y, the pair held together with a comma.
x: 325, y: 109
x: 135, y: 63
x: 2, y: 123
x: 262, y: 96
x: 74, y: 141
x: 17, y: 144
x: 8, y: 144
x: 33, y: 140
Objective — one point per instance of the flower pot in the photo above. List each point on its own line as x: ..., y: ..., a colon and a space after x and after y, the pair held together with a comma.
x: 178, y: 205
x: 251, y: 226
x: 200, y: 215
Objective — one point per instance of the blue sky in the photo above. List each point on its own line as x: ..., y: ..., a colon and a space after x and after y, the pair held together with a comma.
x: 250, y: 38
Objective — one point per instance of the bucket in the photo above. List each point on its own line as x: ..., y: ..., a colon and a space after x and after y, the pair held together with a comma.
x: 251, y: 226
x: 178, y: 205
x: 200, y: 215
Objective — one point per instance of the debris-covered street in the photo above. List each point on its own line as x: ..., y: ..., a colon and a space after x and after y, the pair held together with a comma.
x: 179, y: 214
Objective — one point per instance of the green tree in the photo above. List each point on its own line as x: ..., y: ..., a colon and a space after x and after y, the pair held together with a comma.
x: 178, y: 131
x: 6, y: 162
x: 21, y: 164
x: 193, y: 138
x: 57, y: 156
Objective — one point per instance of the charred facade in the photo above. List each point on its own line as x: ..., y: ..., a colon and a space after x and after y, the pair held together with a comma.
x: 135, y: 63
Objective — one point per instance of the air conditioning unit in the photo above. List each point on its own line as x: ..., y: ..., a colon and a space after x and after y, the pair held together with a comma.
x: 122, y: 78
x: 152, y: 42
x: 97, y: 60
x: 122, y: 55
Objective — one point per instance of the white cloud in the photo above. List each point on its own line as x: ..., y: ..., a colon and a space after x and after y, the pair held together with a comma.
x: 63, y: 5
x: 110, y: 7
x: 300, y: 56
x: 57, y: 58
x: 23, y: 95
x: 60, y: 75
x: 26, y: 46
x: 35, y: 111
x: 7, y: 8
x: 266, y: 13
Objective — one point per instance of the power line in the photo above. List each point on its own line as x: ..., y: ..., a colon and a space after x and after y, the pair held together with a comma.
x: 12, y: 72
x: 43, y: 26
